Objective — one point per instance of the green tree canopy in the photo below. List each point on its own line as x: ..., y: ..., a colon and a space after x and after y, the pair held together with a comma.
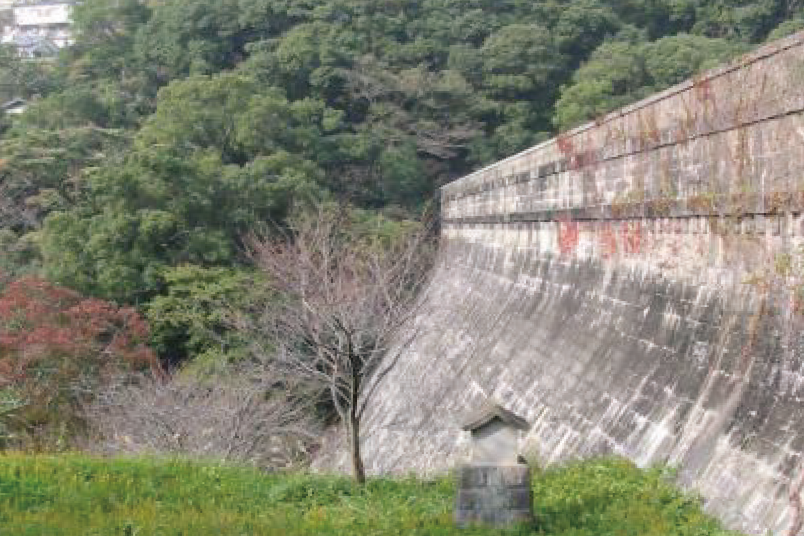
x: 172, y: 127
x: 620, y: 72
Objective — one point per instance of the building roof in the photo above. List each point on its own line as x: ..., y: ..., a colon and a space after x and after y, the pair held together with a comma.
x: 13, y: 103
x: 491, y: 411
x: 35, y: 45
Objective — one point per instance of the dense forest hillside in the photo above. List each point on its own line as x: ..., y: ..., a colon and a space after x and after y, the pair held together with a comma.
x: 173, y: 128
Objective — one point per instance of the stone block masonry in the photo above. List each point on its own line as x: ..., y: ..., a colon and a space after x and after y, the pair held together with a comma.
x: 634, y: 286
x: 494, y: 495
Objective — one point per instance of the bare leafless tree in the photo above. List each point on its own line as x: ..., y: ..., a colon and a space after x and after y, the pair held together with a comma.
x: 243, y: 418
x: 343, y: 298
x: 368, y: 80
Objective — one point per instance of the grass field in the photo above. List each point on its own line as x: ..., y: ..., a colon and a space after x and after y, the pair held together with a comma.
x: 78, y: 495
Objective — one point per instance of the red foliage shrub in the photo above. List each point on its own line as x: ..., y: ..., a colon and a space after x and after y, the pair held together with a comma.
x: 56, y: 347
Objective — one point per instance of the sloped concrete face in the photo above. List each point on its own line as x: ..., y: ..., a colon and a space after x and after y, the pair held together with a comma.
x: 633, y: 287
x: 601, y: 360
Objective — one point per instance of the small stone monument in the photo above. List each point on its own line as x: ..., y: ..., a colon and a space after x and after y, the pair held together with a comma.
x: 494, y: 489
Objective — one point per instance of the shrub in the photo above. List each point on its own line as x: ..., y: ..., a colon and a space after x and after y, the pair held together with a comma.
x: 56, y: 349
x: 190, y: 322
x: 243, y: 417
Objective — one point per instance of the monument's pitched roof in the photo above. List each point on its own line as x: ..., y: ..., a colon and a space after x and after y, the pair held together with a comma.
x: 493, y: 411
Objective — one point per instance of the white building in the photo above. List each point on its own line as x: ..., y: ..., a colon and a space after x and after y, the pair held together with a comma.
x: 38, y: 29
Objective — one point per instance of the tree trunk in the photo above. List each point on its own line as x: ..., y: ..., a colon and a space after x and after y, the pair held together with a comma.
x: 353, y: 429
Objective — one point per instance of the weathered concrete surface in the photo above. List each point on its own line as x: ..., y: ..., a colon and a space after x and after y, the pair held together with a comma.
x: 635, y: 287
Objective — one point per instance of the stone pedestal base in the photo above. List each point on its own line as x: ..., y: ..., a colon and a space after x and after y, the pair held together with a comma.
x: 496, y: 495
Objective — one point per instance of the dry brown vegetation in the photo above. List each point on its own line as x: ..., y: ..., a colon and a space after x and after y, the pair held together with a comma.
x: 343, y: 298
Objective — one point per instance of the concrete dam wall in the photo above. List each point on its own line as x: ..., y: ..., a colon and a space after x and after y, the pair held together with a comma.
x: 634, y: 286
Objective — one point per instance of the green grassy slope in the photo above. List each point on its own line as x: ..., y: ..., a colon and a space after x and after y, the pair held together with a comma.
x: 55, y: 495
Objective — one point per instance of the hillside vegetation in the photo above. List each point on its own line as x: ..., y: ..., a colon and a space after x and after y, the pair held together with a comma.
x: 175, y: 131
x: 171, y: 128
x: 72, y: 495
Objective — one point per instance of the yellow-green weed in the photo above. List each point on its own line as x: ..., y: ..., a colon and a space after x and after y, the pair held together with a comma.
x: 80, y: 495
